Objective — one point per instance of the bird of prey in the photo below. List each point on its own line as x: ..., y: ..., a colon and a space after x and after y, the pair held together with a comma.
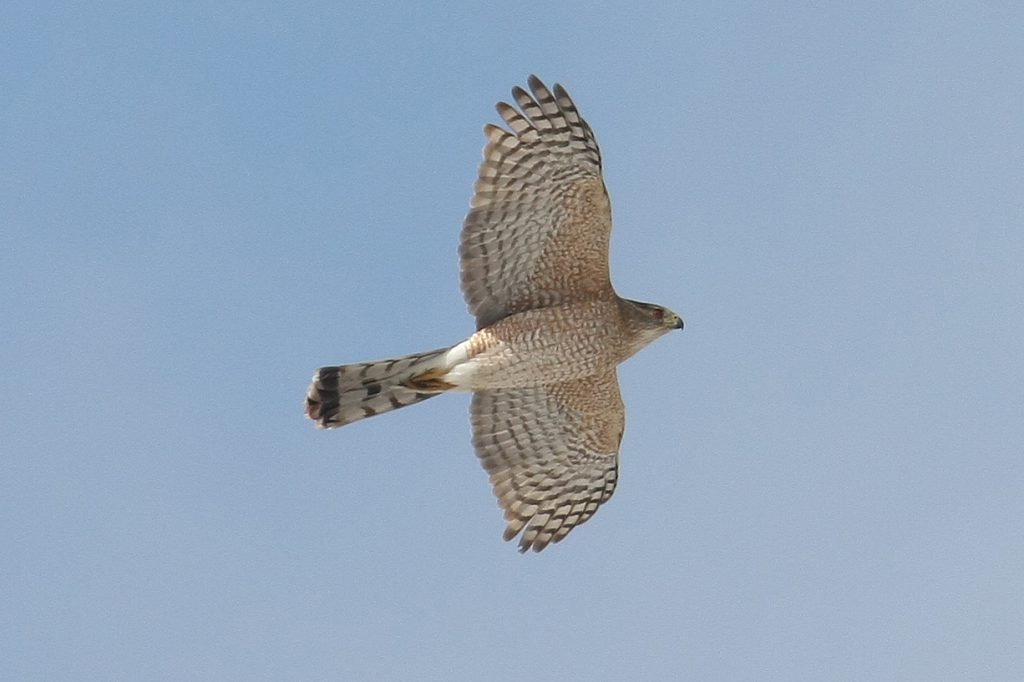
x: 546, y: 412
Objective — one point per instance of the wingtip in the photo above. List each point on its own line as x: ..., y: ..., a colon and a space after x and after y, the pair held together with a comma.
x: 537, y: 86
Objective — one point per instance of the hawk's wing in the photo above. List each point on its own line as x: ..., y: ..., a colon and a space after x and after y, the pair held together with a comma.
x: 552, y: 453
x: 539, y: 222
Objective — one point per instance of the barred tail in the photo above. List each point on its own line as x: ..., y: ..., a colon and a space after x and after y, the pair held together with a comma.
x: 348, y: 393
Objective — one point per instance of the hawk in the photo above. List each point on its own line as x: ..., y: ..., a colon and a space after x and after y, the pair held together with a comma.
x: 546, y: 412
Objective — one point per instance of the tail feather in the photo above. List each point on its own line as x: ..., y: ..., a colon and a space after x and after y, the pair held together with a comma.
x: 347, y: 393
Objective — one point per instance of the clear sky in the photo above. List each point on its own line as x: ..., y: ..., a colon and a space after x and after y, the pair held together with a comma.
x: 822, y: 477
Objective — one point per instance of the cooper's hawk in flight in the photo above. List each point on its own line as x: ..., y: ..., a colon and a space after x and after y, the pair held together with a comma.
x: 547, y: 414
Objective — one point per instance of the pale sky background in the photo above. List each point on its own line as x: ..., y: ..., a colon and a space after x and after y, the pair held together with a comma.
x: 822, y: 477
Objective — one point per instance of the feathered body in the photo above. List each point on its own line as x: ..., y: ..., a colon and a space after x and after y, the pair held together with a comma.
x: 546, y: 413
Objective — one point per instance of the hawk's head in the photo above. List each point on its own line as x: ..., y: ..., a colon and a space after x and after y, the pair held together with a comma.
x: 656, y: 317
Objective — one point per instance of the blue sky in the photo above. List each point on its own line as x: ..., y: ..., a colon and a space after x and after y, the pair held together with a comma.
x: 821, y: 477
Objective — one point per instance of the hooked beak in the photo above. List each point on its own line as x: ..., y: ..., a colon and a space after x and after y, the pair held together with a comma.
x: 679, y: 323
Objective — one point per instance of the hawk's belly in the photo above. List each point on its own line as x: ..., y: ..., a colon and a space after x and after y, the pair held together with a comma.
x: 538, y: 347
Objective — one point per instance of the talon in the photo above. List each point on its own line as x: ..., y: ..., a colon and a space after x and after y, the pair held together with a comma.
x: 431, y: 380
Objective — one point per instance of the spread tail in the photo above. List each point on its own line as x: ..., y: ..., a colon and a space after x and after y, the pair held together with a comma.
x: 347, y: 393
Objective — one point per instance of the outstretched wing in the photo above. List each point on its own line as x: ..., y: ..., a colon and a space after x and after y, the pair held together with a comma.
x: 552, y: 453
x: 539, y: 222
